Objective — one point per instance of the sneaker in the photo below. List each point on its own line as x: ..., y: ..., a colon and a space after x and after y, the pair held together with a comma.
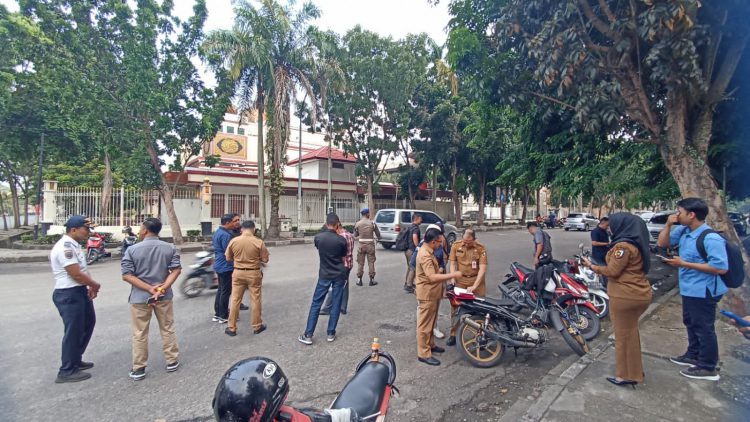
x: 451, y: 341
x: 437, y: 333
x: 698, y: 373
x: 684, y: 360
x: 171, y: 367
x: 74, y: 377
x: 331, y: 337
x: 304, y: 339
x: 85, y: 365
x: 138, y: 374
x: 244, y: 307
x: 215, y: 319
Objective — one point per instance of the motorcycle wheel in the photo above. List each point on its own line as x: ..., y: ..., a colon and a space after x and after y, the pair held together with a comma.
x: 192, y: 286
x: 92, y: 256
x: 586, y: 321
x: 575, y: 341
x: 477, y: 349
x: 602, y: 306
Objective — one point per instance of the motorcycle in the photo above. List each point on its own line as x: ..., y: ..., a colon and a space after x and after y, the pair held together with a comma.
x: 365, y: 396
x: 488, y: 326
x: 560, y: 290
x: 595, y: 283
x: 95, y: 248
x: 129, y: 240
x: 201, y: 276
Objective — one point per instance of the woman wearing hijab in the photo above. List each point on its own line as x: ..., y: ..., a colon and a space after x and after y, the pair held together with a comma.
x: 628, y: 262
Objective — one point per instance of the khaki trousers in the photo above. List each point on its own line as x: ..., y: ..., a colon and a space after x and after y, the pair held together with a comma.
x: 480, y: 291
x: 624, y: 314
x: 140, y: 314
x: 246, y: 280
x: 366, y: 249
x: 427, y: 313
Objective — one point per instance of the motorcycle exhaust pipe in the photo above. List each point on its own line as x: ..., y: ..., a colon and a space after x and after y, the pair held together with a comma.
x: 508, y: 341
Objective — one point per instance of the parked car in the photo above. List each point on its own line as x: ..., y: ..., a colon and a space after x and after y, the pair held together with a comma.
x: 646, y: 215
x: 656, y: 224
x: 392, y: 221
x: 740, y: 223
x: 580, y: 221
x: 472, y: 216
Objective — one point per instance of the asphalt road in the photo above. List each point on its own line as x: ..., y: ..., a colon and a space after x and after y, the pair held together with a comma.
x: 31, y: 332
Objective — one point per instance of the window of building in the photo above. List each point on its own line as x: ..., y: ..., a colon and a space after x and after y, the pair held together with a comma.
x: 217, y: 205
x: 240, y: 130
x: 337, y: 165
x: 230, y: 129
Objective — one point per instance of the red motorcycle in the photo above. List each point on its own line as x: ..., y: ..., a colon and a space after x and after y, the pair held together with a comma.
x: 560, y: 288
x: 256, y: 389
x: 95, y: 248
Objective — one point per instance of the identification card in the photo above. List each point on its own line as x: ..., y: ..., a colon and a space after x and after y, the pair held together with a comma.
x: 474, y: 265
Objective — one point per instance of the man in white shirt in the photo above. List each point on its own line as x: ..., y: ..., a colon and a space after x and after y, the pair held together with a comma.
x: 73, y: 297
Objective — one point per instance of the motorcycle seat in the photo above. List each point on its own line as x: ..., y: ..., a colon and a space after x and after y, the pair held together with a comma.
x: 524, y: 268
x: 500, y: 302
x: 365, y: 391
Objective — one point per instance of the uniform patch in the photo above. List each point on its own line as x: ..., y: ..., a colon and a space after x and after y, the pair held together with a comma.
x: 68, y: 253
x: 619, y: 253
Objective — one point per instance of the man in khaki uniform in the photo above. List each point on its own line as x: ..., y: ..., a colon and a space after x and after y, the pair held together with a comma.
x: 429, y: 290
x: 469, y: 258
x: 249, y: 254
x: 366, y: 233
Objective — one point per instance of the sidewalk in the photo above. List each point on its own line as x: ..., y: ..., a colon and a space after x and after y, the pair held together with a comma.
x: 581, y: 389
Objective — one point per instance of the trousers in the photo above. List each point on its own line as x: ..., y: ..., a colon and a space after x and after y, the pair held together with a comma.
x: 79, y: 319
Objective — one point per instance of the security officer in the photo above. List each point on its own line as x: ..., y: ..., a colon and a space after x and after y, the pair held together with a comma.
x: 73, y: 297
x: 366, y: 232
x: 469, y: 258
x: 249, y: 254
x: 429, y: 290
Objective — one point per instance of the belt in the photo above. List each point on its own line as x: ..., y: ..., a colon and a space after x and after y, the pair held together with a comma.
x: 366, y: 240
x: 246, y: 269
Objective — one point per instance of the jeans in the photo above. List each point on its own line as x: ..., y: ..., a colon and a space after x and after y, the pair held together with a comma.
x: 223, y: 293
x: 344, y: 297
x: 79, y: 318
x: 321, y: 290
x: 699, y: 316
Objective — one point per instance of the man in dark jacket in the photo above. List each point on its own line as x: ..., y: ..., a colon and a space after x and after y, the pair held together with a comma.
x: 220, y: 240
x: 332, y: 250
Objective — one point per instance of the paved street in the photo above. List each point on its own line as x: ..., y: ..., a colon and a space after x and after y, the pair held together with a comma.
x: 31, y: 332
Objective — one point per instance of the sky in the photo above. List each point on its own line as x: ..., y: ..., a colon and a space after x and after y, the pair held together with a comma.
x: 386, y: 17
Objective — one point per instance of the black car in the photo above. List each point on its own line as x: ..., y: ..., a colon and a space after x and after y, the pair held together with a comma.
x: 740, y: 223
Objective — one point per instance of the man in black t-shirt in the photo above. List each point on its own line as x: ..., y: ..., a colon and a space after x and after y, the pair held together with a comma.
x: 414, y: 236
x: 600, y: 241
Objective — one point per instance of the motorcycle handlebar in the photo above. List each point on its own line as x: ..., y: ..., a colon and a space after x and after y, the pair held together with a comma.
x: 391, y: 365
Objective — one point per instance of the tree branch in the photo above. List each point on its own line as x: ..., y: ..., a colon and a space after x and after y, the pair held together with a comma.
x: 548, y: 98
x: 726, y: 71
x: 607, y: 11
x: 599, y: 24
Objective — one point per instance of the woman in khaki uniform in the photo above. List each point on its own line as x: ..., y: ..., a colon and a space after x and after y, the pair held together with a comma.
x: 628, y: 262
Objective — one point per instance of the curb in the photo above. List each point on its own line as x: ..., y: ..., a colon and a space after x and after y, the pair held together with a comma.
x: 537, y: 410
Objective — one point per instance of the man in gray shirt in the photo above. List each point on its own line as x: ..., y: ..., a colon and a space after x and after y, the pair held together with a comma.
x: 542, y: 244
x: 151, y: 267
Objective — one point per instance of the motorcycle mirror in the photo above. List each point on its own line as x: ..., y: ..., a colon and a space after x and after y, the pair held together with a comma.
x: 580, y: 246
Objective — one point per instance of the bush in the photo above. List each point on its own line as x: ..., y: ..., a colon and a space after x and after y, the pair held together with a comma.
x: 349, y: 228
x: 193, y: 233
x: 41, y: 240
x: 27, y: 238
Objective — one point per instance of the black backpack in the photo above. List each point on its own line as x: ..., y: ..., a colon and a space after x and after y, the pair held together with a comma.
x: 402, y: 240
x: 736, y: 274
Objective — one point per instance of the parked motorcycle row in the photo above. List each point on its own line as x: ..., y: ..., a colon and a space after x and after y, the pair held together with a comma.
x: 95, y: 245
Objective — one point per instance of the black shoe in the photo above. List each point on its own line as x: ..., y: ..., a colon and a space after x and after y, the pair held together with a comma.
x: 261, y: 329
x: 373, y: 282
x: 437, y: 349
x: 622, y: 383
x: 359, y: 282
x: 684, y: 360
x: 171, y: 367
x: 243, y: 307
x: 74, y: 377
x: 137, y: 374
x: 451, y: 341
x: 322, y: 312
x: 698, y: 373
x: 229, y: 332
x: 85, y: 365
x: 343, y: 312
x: 430, y: 361
x: 409, y: 289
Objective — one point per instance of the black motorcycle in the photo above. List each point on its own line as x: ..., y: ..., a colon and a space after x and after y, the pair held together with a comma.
x: 201, y: 276
x: 129, y: 240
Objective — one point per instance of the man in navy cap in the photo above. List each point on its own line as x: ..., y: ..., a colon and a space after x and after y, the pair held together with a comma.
x: 366, y: 233
x: 73, y: 297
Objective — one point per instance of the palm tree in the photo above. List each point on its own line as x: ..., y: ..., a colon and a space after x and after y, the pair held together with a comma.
x: 265, y: 53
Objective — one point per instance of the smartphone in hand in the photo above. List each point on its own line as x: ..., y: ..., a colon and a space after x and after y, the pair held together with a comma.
x: 663, y: 258
x: 738, y: 319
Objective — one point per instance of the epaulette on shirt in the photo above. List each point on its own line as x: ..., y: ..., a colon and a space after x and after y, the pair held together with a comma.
x: 69, y: 244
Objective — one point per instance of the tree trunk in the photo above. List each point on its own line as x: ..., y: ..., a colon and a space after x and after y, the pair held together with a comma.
x: 482, y: 188
x: 538, y: 202
x: 276, y: 173
x: 2, y: 211
x: 26, y: 207
x: 260, y: 106
x: 106, y: 187
x: 525, y: 204
x: 503, y: 198
x: 15, y: 202
x: 456, y: 198
x: 434, y: 189
x: 166, y: 195
x: 370, y: 200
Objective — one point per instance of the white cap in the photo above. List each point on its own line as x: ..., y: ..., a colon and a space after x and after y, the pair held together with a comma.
x: 434, y: 226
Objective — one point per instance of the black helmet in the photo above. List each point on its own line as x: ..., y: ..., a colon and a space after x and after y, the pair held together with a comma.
x: 252, y: 389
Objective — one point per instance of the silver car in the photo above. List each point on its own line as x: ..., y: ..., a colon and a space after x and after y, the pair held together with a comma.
x: 656, y: 224
x: 391, y: 221
x: 580, y: 221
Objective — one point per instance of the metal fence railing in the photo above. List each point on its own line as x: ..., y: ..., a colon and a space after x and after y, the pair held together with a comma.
x: 124, y: 207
